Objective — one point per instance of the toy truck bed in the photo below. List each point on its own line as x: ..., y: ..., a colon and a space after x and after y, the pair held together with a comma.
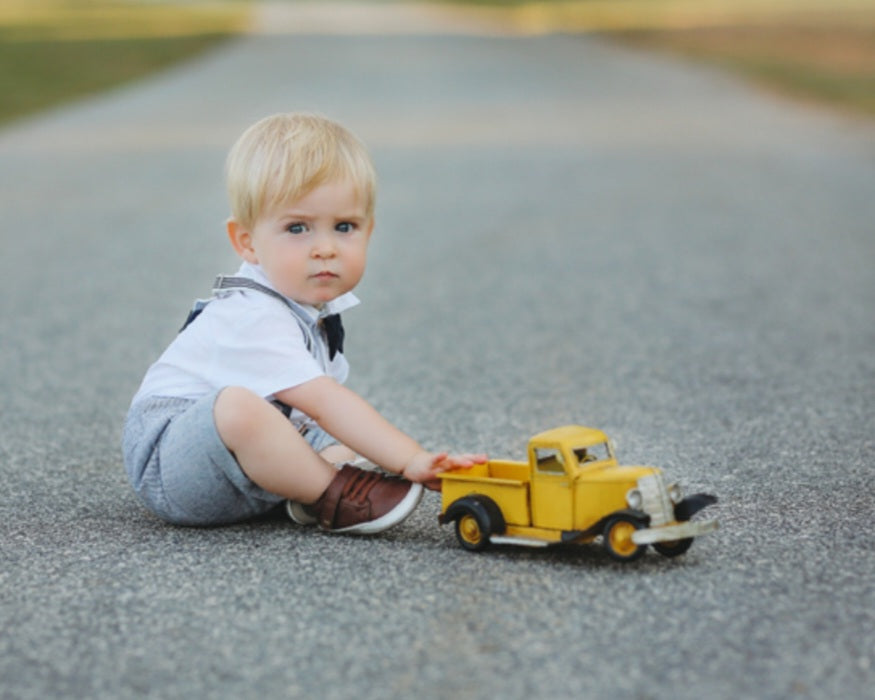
x: 504, y: 481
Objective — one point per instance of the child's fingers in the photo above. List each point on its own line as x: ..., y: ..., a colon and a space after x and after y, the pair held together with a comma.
x: 444, y: 462
x: 467, y: 460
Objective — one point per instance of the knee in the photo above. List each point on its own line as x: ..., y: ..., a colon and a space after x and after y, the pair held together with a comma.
x: 237, y: 412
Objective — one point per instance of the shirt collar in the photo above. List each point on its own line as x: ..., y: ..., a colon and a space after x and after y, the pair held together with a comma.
x: 335, y: 306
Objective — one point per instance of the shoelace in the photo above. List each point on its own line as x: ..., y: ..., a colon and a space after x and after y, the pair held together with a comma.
x: 358, y: 488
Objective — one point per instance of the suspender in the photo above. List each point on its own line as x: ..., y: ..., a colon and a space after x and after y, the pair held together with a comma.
x: 223, y: 282
x: 331, y: 324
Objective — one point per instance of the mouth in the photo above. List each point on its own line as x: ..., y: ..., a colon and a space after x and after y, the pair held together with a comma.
x: 325, y: 275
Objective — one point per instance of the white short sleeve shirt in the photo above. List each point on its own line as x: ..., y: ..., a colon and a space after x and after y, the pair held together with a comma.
x: 247, y: 338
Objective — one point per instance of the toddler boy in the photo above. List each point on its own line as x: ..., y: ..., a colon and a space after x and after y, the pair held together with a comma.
x: 246, y: 408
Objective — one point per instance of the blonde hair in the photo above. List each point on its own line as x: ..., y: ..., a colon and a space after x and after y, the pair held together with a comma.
x: 283, y: 157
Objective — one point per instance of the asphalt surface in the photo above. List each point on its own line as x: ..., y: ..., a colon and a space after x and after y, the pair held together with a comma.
x: 568, y: 232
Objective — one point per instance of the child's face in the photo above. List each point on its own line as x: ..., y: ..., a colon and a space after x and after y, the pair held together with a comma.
x: 312, y: 249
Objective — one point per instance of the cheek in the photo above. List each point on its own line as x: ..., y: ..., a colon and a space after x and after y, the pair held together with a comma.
x: 361, y: 252
x: 287, y: 254
x: 358, y: 261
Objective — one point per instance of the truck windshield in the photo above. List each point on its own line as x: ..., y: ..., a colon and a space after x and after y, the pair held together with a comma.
x: 592, y: 453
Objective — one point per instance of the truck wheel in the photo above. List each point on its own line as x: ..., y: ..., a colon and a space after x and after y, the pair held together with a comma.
x: 673, y: 548
x: 473, y: 530
x: 617, y: 538
x: 686, y: 508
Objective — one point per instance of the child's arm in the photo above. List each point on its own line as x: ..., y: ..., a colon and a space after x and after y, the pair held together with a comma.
x: 352, y: 420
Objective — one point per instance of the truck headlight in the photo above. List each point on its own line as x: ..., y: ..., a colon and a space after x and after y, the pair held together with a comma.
x: 633, y: 498
x: 675, y: 493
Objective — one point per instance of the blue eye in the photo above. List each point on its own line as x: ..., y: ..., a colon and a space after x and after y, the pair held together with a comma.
x: 296, y: 228
x: 345, y: 227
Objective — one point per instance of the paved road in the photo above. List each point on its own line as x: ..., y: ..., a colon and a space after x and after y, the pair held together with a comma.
x: 568, y: 232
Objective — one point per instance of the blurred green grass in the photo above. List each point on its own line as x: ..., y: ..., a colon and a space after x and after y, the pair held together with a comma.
x: 53, y: 51
x: 828, y: 64
x: 817, y: 50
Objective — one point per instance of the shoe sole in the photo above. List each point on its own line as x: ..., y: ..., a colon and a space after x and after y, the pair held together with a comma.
x: 395, y: 516
x: 298, y: 515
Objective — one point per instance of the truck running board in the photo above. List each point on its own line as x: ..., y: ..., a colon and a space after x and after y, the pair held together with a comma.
x: 524, y: 541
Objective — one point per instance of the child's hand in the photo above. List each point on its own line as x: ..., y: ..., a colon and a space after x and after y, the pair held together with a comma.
x: 425, y: 466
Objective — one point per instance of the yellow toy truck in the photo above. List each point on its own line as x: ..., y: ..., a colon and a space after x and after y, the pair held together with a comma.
x: 571, y: 491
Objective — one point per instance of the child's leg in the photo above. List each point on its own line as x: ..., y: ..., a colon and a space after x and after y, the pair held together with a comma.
x: 276, y: 458
x: 338, y: 454
x: 268, y: 448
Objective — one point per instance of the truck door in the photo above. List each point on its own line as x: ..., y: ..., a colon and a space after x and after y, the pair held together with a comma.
x: 552, y: 505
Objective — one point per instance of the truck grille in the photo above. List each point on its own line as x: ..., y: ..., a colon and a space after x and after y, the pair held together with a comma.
x: 655, y: 500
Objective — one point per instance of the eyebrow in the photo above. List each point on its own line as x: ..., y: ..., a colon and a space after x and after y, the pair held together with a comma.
x: 290, y: 217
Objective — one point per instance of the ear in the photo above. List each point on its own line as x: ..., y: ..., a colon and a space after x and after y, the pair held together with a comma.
x: 241, y: 241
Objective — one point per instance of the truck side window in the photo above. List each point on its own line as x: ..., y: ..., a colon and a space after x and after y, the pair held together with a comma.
x: 549, y: 461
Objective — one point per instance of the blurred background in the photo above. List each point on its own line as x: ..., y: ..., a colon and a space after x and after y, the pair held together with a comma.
x: 54, y: 51
x: 606, y: 231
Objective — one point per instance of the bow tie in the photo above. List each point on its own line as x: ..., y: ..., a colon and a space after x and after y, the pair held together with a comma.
x: 334, y: 334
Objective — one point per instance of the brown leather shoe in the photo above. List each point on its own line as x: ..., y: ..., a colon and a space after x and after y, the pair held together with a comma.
x: 365, y: 501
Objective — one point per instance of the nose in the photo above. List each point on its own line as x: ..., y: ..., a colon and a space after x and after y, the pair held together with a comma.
x: 324, y: 245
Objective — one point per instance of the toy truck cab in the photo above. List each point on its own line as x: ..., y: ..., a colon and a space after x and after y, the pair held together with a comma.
x: 571, y: 490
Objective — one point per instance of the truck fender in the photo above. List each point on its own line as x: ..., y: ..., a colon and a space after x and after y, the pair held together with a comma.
x: 597, y: 528
x: 480, y: 504
x: 691, y: 505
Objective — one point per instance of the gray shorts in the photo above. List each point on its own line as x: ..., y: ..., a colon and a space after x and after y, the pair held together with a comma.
x: 182, y: 471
